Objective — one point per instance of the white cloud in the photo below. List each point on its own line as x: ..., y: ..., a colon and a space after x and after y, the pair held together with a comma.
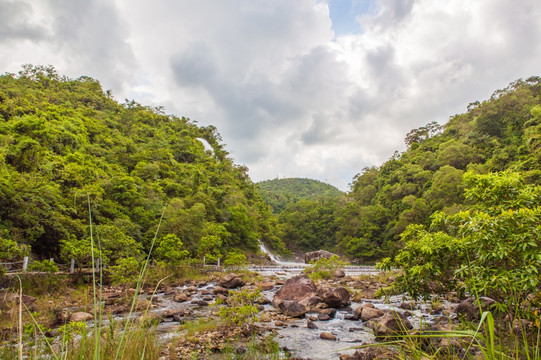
x: 288, y: 96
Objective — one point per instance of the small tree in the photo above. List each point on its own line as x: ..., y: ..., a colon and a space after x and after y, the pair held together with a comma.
x: 494, y: 249
x: 170, y: 250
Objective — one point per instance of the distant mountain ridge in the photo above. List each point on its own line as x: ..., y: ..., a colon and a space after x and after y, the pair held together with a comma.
x: 279, y: 193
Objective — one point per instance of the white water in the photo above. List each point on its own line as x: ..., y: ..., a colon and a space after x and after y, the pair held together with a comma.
x: 277, y: 260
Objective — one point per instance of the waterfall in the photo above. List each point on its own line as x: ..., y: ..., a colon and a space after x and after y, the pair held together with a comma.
x: 267, y: 252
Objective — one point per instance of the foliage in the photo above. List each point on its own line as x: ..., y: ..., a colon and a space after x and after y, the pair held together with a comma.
x: 324, y: 268
x: 492, y: 249
x: 498, y: 134
x: 169, y: 250
x: 64, y: 141
x: 235, y: 259
x: 46, y: 266
x: 240, y: 309
x: 281, y: 193
x: 125, y: 272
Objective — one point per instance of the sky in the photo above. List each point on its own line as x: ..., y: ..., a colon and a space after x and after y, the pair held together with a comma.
x: 297, y: 88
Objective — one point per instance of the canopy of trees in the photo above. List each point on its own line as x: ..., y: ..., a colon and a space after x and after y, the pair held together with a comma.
x: 65, y: 144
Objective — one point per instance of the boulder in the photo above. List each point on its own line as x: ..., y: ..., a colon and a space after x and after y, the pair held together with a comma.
x: 366, y: 313
x: 337, y: 297
x: 391, y: 323
x: 81, y: 316
x: 180, y: 297
x: 327, y: 336
x: 299, y: 288
x: 310, y: 324
x: 220, y: 290
x: 316, y: 255
x: 339, y: 273
x: 469, y: 308
x: 292, y: 308
x: 231, y: 281
x: 323, y: 317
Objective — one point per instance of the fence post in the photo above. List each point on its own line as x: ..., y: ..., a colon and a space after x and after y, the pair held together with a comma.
x: 97, y: 264
x: 25, y: 263
x: 218, y: 262
x: 72, y: 266
x: 203, y: 261
x: 52, y: 259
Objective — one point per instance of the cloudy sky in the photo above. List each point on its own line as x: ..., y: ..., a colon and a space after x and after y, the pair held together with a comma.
x: 297, y: 88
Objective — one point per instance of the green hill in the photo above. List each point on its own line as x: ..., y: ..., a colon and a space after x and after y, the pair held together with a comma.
x: 502, y: 133
x: 305, y: 210
x: 280, y: 193
x: 65, y: 143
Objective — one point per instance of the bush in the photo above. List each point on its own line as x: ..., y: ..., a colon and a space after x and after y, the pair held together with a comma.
x: 235, y: 259
x: 325, y: 268
x: 492, y: 249
x: 125, y: 272
x: 241, y: 309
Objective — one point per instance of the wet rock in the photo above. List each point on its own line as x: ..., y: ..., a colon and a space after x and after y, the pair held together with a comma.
x: 81, y: 316
x: 392, y: 322
x: 220, y: 290
x: 316, y: 255
x: 323, y: 317
x: 327, y: 336
x: 299, y: 288
x: 173, y: 313
x: 200, y: 303
x: 408, y: 305
x: 339, y: 273
x: 292, y: 308
x: 191, y: 289
x: 352, y: 317
x: 330, y: 311
x: 372, y: 353
x: 469, y: 308
x: 231, y: 281
x: 368, y: 313
x: 310, y: 325
x: 337, y: 297
x: 266, y: 285
x: 180, y: 297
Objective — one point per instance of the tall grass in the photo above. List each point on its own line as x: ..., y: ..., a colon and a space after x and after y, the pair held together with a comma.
x: 119, y: 340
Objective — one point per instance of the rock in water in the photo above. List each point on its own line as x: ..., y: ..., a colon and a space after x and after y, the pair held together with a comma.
x: 299, y: 288
x: 231, y: 281
x: 292, y: 308
x: 337, y: 297
x: 391, y: 323
x: 327, y: 336
x: 316, y: 255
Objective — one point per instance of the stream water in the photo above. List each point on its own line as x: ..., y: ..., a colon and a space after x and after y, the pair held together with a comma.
x: 293, y: 334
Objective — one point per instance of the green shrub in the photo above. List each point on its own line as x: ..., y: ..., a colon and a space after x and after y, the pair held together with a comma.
x: 492, y: 249
x: 46, y: 266
x: 126, y: 272
x: 235, y: 258
x: 325, y: 268
x: 241, y: 309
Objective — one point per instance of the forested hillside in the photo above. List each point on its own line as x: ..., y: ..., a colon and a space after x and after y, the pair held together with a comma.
x: 67, y: 148
x: 502, y: 133
x: 305, y: 210
x: 281, y: 193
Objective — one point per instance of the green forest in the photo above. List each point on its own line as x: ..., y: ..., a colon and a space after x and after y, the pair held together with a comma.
x: 72, y: 156
x: 502, y: 133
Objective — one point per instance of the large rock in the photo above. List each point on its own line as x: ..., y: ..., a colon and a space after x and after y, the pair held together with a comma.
x: 316, y: 255
x: 469, y: 308
x: 292, y: 308
x: 337, y: 297
x: 231, y: 281
x: 298, y: 288
x: 391, y: 323
x: 366, y: 313
x: 80, y: 316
